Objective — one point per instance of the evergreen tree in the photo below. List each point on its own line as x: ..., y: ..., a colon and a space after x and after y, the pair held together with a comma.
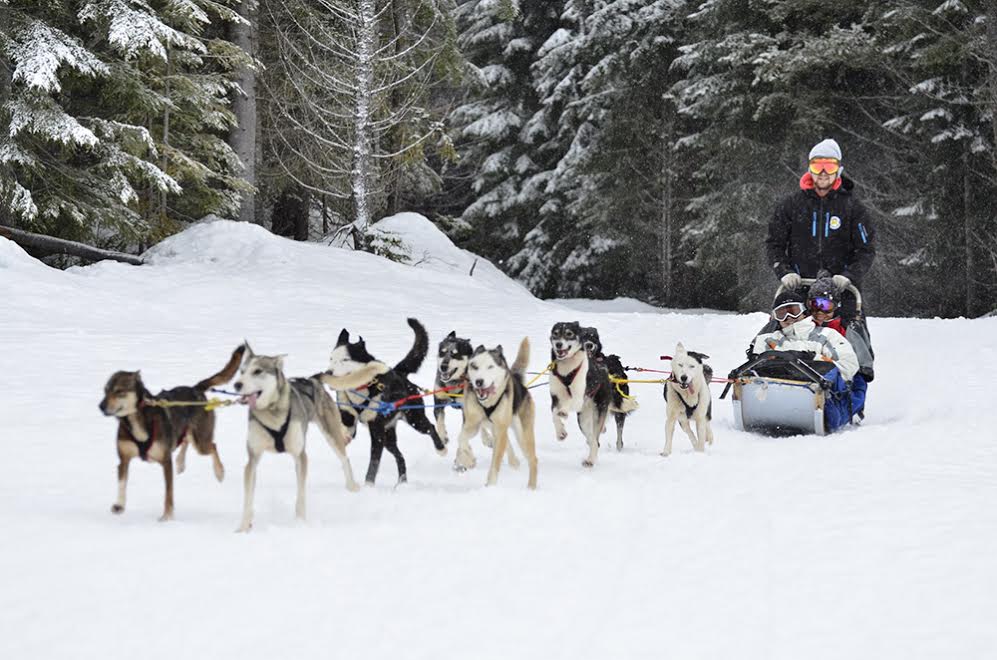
x: 107, y: 135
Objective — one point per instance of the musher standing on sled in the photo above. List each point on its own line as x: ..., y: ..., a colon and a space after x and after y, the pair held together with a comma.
x: 822, y: 226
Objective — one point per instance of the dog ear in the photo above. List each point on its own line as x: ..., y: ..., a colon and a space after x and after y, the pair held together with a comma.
x: 279, y: 361
x: 499, y: 349
x: 360, y: 341
x: 344, y: 337
x: 480, y: 349
x: 699, y: 356
x: 248, y: 353
x: 452, y: 335
x: 679, y: 349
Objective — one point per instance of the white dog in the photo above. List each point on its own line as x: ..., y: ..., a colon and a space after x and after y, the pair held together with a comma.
x: 687, y: 397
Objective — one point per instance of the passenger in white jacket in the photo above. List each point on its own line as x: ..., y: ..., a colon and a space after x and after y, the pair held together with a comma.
x: 798, y: 332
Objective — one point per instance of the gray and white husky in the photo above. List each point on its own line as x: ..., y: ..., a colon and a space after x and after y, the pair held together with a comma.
x: 687, y: 398
x: 280, y: 410
x: 577, y: 385
x: 451, y: 371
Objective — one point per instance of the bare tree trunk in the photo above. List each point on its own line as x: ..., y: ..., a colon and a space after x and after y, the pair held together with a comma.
x: 967, y: 222
x: 6, y: 84
x: 990, y: 47
x: 303, y: 220
x: 243, y: 137
x: 166, y: 135
x: 41, y: 245
x: 366, y: 34
x: 667, y: 219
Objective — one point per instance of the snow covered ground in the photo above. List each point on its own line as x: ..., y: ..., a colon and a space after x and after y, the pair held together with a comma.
x: 875, y: 543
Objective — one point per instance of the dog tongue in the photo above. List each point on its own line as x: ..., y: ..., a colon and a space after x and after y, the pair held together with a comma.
x: 250, y: 399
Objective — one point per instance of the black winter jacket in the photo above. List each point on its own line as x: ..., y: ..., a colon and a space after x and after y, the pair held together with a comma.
x: 810, y: 233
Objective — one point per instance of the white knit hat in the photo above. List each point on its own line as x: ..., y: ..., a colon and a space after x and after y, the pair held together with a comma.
x: 826, y: 149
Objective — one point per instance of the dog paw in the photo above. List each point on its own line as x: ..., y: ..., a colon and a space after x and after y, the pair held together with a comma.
x: 166, y: 517
x: 619, y: 445
x: 220, y: 474
x: 244, y: 528
x: 465, y: 460
x: 117, y: 508
x: 561, y: 436
x: 587, y: 463
x: 666, y: 454
x: 181, y: 466
x: 353, y: 487
x: 488, y: 441
x: 513, y: 462
x: 402, y: 479
x: 442, y: 451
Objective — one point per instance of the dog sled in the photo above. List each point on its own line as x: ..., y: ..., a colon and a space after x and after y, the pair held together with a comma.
x: 793, y: 393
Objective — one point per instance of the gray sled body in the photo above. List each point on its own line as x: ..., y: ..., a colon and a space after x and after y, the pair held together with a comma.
x: 773, y: 406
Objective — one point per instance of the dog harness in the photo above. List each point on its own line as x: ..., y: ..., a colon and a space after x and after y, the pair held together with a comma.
x: 689, y: 410
x: 566, y: 380
x: 145, y: 445
x: 277, y: 434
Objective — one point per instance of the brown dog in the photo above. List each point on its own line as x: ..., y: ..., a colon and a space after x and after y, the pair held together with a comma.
x: 153, y: 432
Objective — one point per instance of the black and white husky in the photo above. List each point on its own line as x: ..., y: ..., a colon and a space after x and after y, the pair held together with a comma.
x: 451, y: 375
x: 687, y: 398
x: 621, y: 404
x: 496, y: 397
x: 363, y: 403
x: 280, y: 410
x: 577, y: 385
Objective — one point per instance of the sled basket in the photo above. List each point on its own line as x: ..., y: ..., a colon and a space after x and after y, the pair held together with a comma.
x: 787, y: 393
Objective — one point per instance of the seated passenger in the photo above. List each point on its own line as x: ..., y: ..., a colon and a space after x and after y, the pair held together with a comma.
x: 798, y: 332
x: 823, y: 304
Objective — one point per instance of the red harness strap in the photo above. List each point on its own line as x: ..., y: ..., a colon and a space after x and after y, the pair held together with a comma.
x: 566, y: 380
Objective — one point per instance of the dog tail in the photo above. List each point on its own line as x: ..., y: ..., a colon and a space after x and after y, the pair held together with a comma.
x: 411, y: 362
x: 327, y: 412
x: 358, y: 378
x: 225, y: 375
x: 522, y: 358
x: 626, y: 406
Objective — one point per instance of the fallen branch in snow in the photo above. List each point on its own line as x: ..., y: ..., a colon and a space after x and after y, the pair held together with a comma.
x: 48, y: 245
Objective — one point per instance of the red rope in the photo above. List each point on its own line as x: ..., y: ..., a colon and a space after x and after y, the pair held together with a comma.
x: 658, y: 371
x: 413, y: 397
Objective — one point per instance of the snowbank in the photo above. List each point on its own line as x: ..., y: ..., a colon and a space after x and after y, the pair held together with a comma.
x: 431, y: 249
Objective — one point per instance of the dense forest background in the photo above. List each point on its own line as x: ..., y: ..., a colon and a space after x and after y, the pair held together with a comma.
x: 589, y: 148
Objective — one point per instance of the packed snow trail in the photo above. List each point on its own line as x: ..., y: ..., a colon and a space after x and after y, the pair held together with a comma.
x: 874, y: 543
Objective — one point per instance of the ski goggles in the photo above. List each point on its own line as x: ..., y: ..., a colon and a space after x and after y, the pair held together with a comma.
x: 822, y: 304
x: 829, y: 165
x: 790, y: 310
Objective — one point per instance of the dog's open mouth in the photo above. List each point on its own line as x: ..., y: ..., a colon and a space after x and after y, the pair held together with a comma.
x: 250, y: 399
x: 448, y: 376
x: 560, y: 353
x: 484, y: 392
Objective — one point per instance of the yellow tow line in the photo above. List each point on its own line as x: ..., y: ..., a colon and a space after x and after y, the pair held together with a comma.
x: 209, y: 405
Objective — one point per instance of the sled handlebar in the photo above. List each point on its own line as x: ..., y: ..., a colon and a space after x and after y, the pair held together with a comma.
x: 851, y: 288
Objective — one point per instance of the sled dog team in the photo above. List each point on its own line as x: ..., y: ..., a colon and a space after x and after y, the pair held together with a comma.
x: 494, y: 396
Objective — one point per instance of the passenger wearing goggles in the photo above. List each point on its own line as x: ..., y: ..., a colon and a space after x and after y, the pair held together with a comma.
x: 798, y: 332
x: 822, y: 303
x: 822, y: 226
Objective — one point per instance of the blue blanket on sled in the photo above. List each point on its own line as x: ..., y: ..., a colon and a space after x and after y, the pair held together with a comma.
x: 843, y: 402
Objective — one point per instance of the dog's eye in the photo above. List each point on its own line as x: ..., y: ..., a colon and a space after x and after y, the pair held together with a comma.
x: 569, y: 334
x: 257, y: 372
